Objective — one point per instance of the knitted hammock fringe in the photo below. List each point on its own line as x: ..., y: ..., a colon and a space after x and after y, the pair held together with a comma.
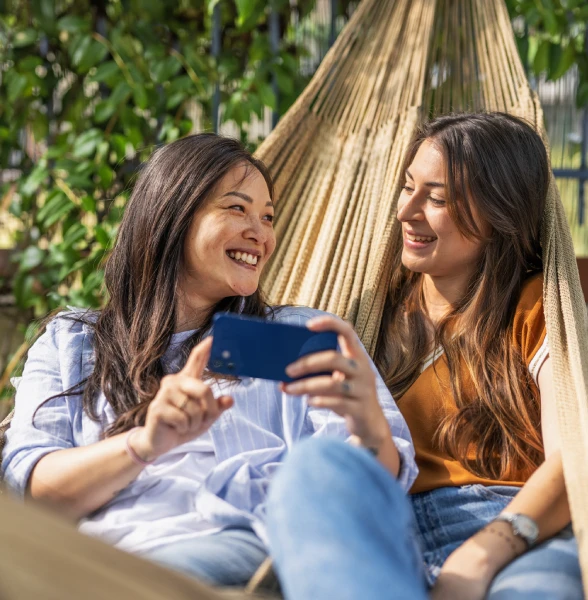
x: 336, y: 158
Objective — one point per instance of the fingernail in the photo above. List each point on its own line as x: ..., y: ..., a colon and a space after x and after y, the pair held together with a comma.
x: 292, y: 370
x: 291, y: 389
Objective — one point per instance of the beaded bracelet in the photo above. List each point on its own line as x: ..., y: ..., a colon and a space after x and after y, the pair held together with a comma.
x: 131, y: 452
x: 508, y: 540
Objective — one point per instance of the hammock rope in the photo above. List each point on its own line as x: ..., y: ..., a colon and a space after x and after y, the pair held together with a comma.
x: 336, y: 157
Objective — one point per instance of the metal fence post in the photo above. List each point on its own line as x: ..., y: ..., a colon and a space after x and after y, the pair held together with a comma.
x: 333, y: 31
x: 216, y: 50
x: 584, y: 152
x: 274, y: 35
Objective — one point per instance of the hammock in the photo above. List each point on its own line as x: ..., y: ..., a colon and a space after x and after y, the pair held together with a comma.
x: 336, y: 158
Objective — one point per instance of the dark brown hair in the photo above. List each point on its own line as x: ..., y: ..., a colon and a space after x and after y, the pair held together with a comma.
x: 133, y: 330
x: 496, y: 167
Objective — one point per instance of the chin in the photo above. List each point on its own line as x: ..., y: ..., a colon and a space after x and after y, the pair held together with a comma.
x: 245, y: 290
x: 413, y: 265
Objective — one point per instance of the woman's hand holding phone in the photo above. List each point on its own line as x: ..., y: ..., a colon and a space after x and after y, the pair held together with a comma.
x: 183, y: 408
x: 351, y: 389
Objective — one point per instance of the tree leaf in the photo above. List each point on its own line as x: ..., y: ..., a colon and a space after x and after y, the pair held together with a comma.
x: 23, y: 38
x: 582, y: 95
x: 566, y: 60
x: 101, y: 236
x: 266, y: 95
x: 89, y: 204
x: 16, y: 85
x: 86, y: 143
x: 30, y: 258
x: 57, y: 206
x: 245, y: 9
x: 73, y: 24
x: 106, y: 72
x: 34, y: 180
x: 541, y: 62
x: 140, y: 97
x: 104, y: 110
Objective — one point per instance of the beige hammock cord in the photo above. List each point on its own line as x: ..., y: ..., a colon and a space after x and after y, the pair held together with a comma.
x: 336, y: 157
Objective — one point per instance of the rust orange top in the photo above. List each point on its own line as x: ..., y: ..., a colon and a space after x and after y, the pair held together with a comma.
x: 429, y: 399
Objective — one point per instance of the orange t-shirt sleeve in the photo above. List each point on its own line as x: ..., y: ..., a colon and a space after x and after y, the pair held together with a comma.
x: 529, y: 325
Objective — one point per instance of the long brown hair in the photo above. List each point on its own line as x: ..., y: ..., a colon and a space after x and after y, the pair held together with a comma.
x: 133, y: 330
x: 496, y: 167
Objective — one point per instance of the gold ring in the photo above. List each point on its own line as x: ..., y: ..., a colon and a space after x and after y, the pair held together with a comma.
x: 183, y: 403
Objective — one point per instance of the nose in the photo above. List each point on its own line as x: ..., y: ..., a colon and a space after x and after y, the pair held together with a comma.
x: 410, y: 208
x: 255, y: 231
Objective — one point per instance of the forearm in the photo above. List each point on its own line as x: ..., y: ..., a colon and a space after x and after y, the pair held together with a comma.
x: 385, y: 451
x: 78, y: 481
x: 544, y: 499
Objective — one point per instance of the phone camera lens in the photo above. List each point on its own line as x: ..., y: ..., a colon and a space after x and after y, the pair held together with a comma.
x: 230, y: 365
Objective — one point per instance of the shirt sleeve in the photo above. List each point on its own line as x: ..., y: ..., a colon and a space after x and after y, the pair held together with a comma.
x: 28, y: 439
x: 530, y: 334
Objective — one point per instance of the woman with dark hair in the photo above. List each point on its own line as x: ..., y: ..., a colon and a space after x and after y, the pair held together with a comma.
x: 464, y: 351
x: 118, y: 424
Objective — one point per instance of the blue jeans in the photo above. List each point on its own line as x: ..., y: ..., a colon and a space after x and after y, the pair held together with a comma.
x: 227, y: 558
x: 341, y: 527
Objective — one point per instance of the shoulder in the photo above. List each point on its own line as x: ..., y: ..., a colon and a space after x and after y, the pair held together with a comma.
x: 295, y: 315
x: 67, y: 331
x: 72, y: 322
x: 529, y: 309
x: 531, y: 297
x: 529, y: 329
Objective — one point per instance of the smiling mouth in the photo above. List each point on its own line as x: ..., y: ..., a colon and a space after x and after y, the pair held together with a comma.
x: 243, y: 258
x: 420, y: 239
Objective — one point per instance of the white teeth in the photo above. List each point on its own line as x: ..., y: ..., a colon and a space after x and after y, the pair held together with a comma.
x: 420, y: 238
x: 250, y: 259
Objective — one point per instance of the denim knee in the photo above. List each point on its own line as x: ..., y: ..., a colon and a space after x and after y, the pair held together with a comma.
x: 327, y: 467
x: 549, y: 572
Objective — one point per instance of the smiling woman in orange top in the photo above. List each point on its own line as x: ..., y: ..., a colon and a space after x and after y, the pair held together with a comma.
x: 464, y: 351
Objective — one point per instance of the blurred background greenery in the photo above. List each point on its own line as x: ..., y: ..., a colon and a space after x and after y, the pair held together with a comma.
x: 89, y: 88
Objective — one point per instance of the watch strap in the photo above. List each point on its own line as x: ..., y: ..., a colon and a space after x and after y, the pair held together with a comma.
x: 523, y: 527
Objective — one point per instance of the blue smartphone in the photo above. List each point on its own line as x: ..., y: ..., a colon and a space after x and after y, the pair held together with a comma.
x: 252, y: 347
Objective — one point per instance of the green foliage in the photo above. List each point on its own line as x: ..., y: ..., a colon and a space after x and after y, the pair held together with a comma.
x: 554, y: 38
x: 89, y: 88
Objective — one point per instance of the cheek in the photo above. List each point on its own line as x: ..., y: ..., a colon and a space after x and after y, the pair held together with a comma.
x: 271, y: 244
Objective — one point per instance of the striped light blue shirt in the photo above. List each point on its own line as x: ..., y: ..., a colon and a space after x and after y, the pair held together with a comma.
x: 219, y: 480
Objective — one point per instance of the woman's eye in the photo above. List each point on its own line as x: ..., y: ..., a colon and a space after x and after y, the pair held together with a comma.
x: 437, y: 201
x: 269, y: 218
x: 237, y: 207
x: 408, y: 189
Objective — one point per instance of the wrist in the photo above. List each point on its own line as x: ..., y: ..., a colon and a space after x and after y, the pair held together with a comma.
x: 495, y: 547
x: 372, y: 442
x: 138, y: 448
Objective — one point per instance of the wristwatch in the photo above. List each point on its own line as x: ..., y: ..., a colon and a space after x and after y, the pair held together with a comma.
x: 522, y: 526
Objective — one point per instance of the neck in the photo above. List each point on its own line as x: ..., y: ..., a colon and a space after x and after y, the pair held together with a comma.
x: 442, y: 293
x: 192, y: 310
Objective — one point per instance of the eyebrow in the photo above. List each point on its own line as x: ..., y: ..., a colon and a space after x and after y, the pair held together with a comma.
x: 433, y: 184
x: 244, y: 197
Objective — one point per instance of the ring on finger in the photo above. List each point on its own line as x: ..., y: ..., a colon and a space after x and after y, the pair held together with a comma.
x: 346, y: 387
x: 183, y: 403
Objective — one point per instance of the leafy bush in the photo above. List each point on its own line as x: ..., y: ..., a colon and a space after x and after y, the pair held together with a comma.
x: 554, y: 38
x: 88, y: 89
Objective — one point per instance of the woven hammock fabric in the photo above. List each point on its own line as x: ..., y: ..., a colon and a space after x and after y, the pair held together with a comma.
x: 336, y: 158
